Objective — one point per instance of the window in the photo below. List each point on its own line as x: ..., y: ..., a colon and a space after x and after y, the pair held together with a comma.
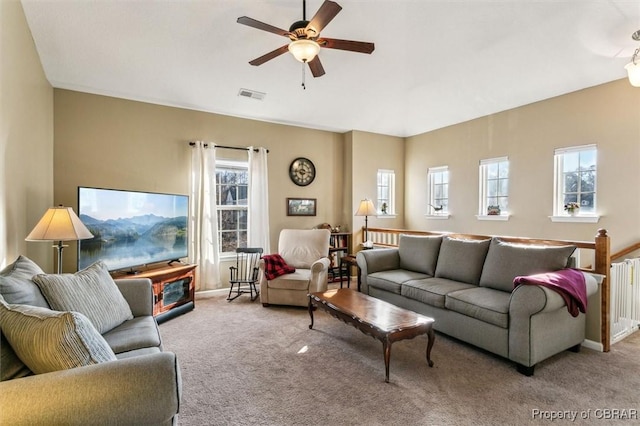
x: 438, y: 191
x: 386, y: 192
x: 575, y: 179
x: 232, y: 189
x: 494, y: 187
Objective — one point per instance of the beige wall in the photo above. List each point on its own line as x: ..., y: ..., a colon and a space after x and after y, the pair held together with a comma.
x: 26, y: 140
x: 114, y: 143
x: 606, y: 115
x: 371, y: 152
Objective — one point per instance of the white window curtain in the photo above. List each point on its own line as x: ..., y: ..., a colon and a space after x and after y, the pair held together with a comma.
x: 203, y: 217
x: 258, y: 200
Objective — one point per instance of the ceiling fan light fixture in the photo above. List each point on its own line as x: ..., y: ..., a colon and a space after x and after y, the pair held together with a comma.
x: 633, y: 67
x: 304, y: 50
x: 633, y: 70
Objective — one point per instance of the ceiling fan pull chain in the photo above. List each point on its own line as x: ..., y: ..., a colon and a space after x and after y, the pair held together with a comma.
x: 304, y: 87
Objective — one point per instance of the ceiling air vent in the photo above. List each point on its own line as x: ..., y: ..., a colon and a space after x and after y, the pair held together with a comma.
x: 246, y: 93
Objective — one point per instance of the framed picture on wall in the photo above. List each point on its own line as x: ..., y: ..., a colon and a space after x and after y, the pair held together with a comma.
x: 301, y: 206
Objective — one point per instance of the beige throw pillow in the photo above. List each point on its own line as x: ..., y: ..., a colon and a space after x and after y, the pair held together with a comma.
x: 92, y: 292
x: 47, y: 340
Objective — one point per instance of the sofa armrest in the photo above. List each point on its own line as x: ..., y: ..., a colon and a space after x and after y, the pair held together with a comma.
x: 139, y: 390
x: 540, y: 324
x: 138, y: 292
x: 528, y: 300
x: 319, y: 275
x: 370, y: 261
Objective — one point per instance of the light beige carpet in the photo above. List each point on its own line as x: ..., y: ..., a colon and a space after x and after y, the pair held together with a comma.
x: 243, y: 364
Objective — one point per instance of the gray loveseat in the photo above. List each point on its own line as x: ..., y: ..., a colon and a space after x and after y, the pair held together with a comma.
x: 466, y: 285
x: 142, y: 386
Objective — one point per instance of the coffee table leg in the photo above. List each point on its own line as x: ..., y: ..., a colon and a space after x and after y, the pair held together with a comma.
x: 311, y: 313
x: 386, y: 348
x: 432, y: 337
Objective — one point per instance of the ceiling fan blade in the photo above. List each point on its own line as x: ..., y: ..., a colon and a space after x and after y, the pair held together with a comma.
x: 269, y: 56
x: 323, y: 16
x: 245, y: 20
x: 316, y: 67
x: 350, y: 45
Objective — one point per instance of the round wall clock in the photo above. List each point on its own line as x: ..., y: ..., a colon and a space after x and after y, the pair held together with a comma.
x: 302, y: 171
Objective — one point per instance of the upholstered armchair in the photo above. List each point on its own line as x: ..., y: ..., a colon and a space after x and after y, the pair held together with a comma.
x: 307, y: 250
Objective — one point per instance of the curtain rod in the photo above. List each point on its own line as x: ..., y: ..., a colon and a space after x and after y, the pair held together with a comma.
x: 227, y: 147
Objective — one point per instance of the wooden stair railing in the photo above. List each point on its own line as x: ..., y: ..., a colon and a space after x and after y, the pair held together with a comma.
x: 625, y: 251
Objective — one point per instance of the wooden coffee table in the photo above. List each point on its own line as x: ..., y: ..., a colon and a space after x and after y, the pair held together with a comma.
x: 377, y: 318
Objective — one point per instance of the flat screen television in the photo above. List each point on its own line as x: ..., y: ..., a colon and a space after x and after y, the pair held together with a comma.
x: 132, y: 228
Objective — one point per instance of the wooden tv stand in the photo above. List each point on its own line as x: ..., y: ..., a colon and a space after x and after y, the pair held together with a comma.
x: 173, y: 289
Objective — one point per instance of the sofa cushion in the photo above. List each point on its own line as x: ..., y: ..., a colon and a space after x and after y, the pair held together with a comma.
x: 419, y: 254
x: 505, y: 261
x: 432, y: 291
x: 92, y: 292
x: 316, y: 246
x: 47, y: 340
x: 462, y: 260
x: 16, y: 285
x: 138, y: 333
x: 392, y: 280
x: 484, y: 304
x: 298, y: 280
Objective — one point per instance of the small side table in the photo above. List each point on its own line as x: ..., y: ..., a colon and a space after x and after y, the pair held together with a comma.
x: 346, y: 262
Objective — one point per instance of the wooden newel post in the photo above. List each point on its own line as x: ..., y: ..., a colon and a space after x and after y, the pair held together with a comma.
x: 603, y: 267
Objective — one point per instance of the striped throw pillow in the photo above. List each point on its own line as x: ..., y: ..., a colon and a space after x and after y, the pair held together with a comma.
x: 47, y: 340
x: 92, y: 292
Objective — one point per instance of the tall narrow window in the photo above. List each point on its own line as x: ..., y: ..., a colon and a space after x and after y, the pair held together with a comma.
x: 232, y: 182
x: 575, y: 179
x: 438, y: 191
x: 386, y: 192
x: 494, y: 187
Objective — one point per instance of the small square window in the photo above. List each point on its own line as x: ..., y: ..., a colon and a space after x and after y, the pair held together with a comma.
x: 494, y: 187
x: 575, y: 181
x: 386, y: 192
x: 438, y: 191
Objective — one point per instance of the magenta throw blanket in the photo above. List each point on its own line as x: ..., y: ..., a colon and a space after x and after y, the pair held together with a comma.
x: 569, y: 283
x: 274, y: 266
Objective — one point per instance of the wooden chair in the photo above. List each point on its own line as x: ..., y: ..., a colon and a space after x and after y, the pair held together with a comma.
x: 244, y: 275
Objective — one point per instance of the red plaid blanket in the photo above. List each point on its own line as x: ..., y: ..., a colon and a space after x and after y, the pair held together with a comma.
x: 274, y: 266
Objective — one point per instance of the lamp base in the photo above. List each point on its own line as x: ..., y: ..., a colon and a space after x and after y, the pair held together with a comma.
x: 59, y: 247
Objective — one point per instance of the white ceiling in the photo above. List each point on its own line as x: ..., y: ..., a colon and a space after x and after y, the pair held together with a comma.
x: 435, y: 63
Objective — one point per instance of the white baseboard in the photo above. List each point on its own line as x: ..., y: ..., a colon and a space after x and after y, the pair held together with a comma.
x: 211, y: 293
x: 596, y: 346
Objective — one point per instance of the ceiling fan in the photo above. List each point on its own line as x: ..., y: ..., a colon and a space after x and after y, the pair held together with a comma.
x: 305, y: 38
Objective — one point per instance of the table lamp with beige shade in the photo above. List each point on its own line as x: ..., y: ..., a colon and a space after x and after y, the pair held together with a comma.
x: 366, y: 209
x: 59, y: 224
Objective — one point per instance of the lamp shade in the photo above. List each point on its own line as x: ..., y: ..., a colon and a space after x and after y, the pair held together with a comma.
x: 304, y: 50
x: 59, y: 224
x: 633, y: 69
x: 366, y: 208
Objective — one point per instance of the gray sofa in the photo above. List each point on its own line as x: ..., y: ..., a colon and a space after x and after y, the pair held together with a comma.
x: 466, y: 285
x: 142, y: 386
